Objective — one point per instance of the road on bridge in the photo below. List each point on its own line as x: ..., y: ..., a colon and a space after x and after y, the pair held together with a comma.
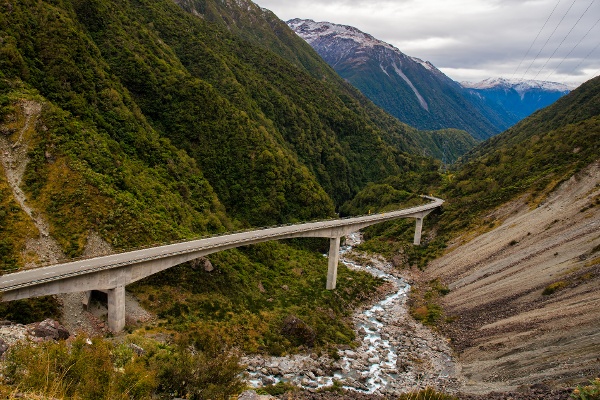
x: 117, y: 270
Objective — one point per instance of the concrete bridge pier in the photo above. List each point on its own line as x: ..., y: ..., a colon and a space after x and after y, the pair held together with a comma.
x: 116, y: 308
x: 334, y: 259
x: 418, y: 231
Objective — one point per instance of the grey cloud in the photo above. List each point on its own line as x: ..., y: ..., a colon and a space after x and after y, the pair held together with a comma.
x: 489, y: 36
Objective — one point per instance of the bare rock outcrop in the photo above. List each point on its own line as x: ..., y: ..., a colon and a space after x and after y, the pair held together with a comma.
x: 295, y: 328
x: 48, y: 329
x: 204, y: 263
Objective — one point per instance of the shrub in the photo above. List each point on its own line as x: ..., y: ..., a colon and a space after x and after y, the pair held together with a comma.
x: 553, y: 287
x: 198, y: 367
x: 426, y: 394
x: 428, y: 314
x: 588, y: 392
x: 83, y: 370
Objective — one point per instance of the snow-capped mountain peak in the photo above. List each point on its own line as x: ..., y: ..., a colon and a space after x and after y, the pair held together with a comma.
x: 310, y: 31
x: 418, y: 93
x: 519, y: 85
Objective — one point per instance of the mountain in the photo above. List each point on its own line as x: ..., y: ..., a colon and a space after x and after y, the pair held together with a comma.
x: 412, y: 90
x: 523, y: 278
x: 519, y: 98
x: 255, y: 126
x: 128, y: 123
x: 264, y: 29
x: 512, y: 263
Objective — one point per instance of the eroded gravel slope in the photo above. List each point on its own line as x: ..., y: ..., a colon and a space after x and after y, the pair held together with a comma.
x: 508, y: 332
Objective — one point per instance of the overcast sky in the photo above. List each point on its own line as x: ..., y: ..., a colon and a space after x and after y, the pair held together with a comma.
x: 474, y: 39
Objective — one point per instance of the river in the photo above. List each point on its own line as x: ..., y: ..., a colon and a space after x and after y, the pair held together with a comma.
x: 395, y: 355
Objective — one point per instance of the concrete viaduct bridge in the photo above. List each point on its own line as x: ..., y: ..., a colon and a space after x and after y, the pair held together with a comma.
x: 112, y: 273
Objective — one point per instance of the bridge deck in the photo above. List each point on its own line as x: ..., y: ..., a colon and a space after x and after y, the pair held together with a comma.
x: 114, y: 271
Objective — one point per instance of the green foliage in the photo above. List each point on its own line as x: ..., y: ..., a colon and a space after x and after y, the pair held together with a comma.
x: 248, y: 296
x: 554, y: 287
x: 210, y: 372
x: 426, y: 394
x: 277, y: 389
x: 531, y: 158
x: 393, y: 193
x: 102, y: 370
x: 30, y: 310
x: 424, y: 302
x: 15, y: 227
x: 81, y: 371
x: 587, y: 392
x: 534, y: 156
x: 154, y: 119
x: 446, y: 145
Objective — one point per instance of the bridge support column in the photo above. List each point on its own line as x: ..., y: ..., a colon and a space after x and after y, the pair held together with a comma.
x: 418, y: 230
x: 116, y: 308
x: 334, y: 258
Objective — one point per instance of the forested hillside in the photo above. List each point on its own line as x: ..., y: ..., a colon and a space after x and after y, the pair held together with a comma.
x: 139, y: 122
x: 531, y: 158
x: 264, y: 29
x: 133, y: 122
x: 175, y: 126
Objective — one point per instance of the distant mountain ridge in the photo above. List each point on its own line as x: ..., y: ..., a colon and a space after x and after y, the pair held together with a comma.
x: 517, y: 97
x: 413, y: 90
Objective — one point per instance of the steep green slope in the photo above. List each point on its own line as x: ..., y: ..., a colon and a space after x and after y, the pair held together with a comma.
x: 81, y: 180
x: 155, y: 126
x: 447, y: 145
x: 531, y: 158
x: 265, y: 30
x: 262, y: 28
x: 67, y: 66
x: 284, y: 105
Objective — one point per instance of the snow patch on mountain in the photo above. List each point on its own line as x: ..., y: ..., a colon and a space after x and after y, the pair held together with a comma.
x: 383, y: 69
x: 422, y: 101
x: 519, y: 85
x: 310, y: 31
x: 426, y: 64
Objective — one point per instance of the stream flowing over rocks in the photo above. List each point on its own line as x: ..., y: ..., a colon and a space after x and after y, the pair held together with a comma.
x: 395, y: 354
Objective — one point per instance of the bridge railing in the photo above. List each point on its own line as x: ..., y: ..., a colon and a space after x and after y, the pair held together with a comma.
x: 202, y: 237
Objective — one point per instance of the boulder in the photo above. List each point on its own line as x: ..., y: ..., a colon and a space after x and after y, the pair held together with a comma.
x: 3, y: 347
x: 139, y: 351
x: 399, y: 260
x: 203, y: 263
x: 297, y: 330
x: 49, y: 329
x: 261, y: 288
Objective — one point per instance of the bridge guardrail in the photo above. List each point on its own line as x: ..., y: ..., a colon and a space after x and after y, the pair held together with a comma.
x: 203, y: 237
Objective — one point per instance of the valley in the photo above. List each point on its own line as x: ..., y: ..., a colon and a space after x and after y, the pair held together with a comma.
x: 394, y: 353
x: 139, y: 126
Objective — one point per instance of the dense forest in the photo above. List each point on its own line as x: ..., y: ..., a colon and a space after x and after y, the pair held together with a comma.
x: 144, y: 123
x: 138, y: 93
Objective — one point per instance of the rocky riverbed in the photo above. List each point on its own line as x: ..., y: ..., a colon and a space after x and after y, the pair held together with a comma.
x: 394, y: 353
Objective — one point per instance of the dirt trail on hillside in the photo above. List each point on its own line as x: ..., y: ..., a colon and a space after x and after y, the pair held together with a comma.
x: 44, y: 249
x: 508, y: 333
